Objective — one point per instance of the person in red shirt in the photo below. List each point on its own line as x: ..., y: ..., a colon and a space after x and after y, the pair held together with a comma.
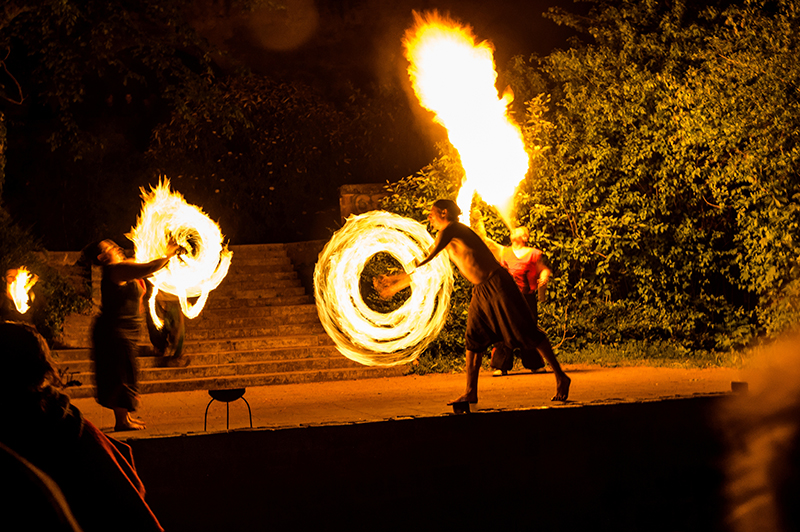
x: 531, y: 274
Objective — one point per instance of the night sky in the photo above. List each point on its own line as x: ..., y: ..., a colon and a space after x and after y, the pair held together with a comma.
x: 363, y: 38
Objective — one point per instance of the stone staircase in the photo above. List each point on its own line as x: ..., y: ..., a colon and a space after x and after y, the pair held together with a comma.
x: 259, y: 327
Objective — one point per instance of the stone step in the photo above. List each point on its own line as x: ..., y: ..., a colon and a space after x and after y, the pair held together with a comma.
x: 258, y: 311
x: 257, y: 268
x: 257, y: 292
x: 263, y: 277
x: 261, y: 264
x: 65, y: 356
x: 278, y: 301
x: 219, y: 333
x: 258, y: 250
x: 192, y: 371
x: 259, y: 280
x: 237, y: 320
x: 79, y: 360
x: 234, y: 345
x: 249, y: 381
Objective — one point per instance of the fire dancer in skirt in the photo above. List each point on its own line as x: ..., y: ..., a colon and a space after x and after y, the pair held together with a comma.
x: 118, y: 327
x: 531, y: 274
x: 497, y: 311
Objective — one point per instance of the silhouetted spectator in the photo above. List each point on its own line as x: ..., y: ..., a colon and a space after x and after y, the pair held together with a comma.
x: 94, y: 472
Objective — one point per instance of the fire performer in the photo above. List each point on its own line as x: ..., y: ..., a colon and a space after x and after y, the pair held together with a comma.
x: 531, y: 274
x: 117, y: 328
x: 497, y: 311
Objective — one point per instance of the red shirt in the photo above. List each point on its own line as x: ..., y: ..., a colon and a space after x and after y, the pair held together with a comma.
x: 525, y: 270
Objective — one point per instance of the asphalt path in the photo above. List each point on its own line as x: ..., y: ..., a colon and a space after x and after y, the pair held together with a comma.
x: 370, y: 400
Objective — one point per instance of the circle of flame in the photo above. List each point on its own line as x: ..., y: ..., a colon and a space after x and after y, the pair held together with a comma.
x: 167, y: 215
x: 361, y: 334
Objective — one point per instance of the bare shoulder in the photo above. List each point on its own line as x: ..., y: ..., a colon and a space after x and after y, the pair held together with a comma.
x: 459, y: 230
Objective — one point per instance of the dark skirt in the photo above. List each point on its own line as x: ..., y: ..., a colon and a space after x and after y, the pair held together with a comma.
x: 499, y: 313
x: 115, y: 349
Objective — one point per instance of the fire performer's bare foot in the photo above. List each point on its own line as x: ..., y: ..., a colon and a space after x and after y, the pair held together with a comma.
x: 562, y: 388
x: 130, y: 425
x: 466, y: 398
x: 124, y: 421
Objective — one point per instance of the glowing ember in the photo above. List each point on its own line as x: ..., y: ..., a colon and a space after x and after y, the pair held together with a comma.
x: 360, y: 333
x: 19, y: 288
x: 455, y: 78
x: 195, y: 273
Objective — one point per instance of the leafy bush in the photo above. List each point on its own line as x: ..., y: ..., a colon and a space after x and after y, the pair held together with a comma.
x: 664, y: 183
x: 668, y: 201
x: 55, y: 297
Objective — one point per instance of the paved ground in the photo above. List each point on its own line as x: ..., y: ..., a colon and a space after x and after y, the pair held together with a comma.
x: 368, y: 400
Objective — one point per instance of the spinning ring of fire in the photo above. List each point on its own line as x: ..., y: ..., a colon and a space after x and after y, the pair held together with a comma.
x: 205, y: 259
x: 364, y: 335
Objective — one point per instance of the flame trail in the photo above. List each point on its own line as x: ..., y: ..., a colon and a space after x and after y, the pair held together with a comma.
x: 19, y: 288
x: 455, y: 78
x: 360, y: 333
x: 202, y: 268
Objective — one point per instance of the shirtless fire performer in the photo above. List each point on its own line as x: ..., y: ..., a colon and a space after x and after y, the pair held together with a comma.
x: 497, y: 311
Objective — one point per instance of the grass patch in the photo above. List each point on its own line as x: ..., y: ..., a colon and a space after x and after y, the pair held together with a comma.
x: 633, y: 353
x: 427, y: 363
x: 655, y: 354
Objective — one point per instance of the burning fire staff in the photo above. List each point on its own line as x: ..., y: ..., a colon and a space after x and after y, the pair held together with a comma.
x: 17, y: 297
x: 117, y: 328
x: 497, y: 311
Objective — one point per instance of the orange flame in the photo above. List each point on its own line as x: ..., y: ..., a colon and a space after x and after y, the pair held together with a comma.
x: 455, y: 78
x: 19, y: 288
x: 195, y: 273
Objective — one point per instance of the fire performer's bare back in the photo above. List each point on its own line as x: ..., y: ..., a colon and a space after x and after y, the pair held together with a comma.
x: 468, y: 252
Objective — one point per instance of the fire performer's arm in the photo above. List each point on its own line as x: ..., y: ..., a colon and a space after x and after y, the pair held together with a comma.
x: 122, y: 272
x: 388, y: 285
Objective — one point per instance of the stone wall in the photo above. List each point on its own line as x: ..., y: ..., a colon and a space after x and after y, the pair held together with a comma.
x: 358, y: 199
x: 625, y: 467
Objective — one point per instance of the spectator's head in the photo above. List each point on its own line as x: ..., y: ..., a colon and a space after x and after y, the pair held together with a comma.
x: 27, y: 365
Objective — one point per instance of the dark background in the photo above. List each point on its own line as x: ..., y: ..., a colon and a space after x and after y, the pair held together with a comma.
x: 338, y: 48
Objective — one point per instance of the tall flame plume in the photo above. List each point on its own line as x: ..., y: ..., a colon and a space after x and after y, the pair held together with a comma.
x: 166, y: 215
x: 454, y: 78
x: 19, y: 288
